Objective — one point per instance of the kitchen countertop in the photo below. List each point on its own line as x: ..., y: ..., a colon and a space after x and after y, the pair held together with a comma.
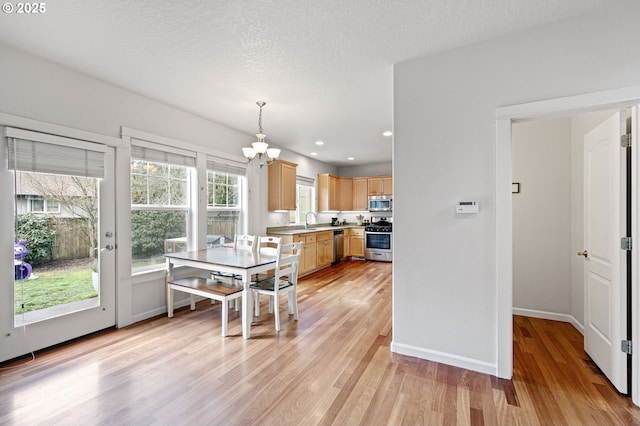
x: 295, y: 230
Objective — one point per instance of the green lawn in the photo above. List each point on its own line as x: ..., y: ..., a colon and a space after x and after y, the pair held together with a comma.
x: 53, y: 288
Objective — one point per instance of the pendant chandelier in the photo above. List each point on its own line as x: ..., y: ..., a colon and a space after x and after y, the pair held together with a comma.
x: 260, y: 147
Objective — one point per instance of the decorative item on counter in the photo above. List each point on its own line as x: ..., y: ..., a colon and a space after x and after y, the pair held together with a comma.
x: 359, y: 219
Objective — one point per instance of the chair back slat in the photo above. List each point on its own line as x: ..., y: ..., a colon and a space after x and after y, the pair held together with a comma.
x: 268, y: 242
x: 244, y: 242
x: 288, y: 261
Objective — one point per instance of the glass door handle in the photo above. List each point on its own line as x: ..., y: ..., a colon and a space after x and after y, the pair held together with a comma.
x: 108, y: 247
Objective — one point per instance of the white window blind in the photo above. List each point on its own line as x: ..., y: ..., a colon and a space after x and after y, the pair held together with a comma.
x: 224, y: 165
x: 42, y: 153
x: 166, y: 155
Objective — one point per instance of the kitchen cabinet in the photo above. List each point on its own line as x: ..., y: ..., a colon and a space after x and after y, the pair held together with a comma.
x: 309, y: 257
x: 360, y: 193
x: 282, y: 185
x: 354, y: 245
x: 350, y: 194
x: 328, y: 192
x: 345, y: 193
x: 324, y: 241
x: 380, y: 185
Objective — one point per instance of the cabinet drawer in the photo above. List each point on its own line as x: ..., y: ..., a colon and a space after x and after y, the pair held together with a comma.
x: 357, y: 232
x: 324, y: 235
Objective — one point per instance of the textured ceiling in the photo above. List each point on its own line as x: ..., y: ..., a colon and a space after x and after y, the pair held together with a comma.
x: 323, y: 67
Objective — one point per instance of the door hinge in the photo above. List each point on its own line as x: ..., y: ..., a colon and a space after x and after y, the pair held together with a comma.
x: 625, y: 243
x: 625, y: 141
x: 626, y: 346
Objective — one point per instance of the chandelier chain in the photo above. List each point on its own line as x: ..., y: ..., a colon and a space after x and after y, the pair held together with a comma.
x: 260, y: 104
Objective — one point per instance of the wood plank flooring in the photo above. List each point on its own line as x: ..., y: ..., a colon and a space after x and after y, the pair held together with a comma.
x: 333, y: 366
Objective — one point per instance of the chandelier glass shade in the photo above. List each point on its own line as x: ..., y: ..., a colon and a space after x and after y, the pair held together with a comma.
x: 260, y: 147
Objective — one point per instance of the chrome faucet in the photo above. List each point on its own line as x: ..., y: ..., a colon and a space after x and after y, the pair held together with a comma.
x: 306, y: 219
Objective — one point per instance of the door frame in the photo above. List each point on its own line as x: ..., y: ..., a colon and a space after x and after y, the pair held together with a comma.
x: 611, y: 99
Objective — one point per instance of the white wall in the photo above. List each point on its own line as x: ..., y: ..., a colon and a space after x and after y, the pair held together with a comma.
x: 382, y: 169
x: 444, y: 305
x: 541, y: 160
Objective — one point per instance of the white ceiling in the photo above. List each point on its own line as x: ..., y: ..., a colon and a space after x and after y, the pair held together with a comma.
x: 323, y: 67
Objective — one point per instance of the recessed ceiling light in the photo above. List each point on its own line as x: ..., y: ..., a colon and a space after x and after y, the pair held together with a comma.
x: 319, y: 143
x: 350, y: 158
x: 314, y: 154
x: 387, y: 133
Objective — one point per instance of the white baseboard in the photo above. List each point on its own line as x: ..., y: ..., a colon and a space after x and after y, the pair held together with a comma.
x: 474, y: 364
x: 445, y: 358
x: 162, y: 309
x: 550, y: 316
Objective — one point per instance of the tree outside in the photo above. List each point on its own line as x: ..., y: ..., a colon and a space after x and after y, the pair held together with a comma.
x: 77, y: 195
x: 159, y: 199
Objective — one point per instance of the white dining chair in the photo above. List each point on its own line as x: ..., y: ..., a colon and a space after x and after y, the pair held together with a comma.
x: 268, y: 242
x: 284, y: 280
x: 240, y: 242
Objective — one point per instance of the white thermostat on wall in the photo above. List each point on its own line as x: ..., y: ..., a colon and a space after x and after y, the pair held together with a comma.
x: 467, y: 207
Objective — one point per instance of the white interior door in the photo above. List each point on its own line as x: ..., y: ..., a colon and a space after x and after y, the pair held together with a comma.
x: 605, y: 262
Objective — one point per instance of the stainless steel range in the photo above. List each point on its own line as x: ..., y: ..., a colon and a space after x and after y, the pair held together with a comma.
x: 378, y: 241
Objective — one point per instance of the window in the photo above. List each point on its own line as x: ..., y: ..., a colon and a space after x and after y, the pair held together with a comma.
x: 305, y: 196
x: 223, y: 190
x: 160, y: 205
x: 226, y: 185
x: 36, y: 204
x: 49, y: 172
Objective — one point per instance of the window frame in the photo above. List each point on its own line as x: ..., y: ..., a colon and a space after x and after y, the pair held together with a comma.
x: 45, y: 205
x: 241, y: 205
x: 238, y: 185
x: 302, y: 181
x: 188, y: 207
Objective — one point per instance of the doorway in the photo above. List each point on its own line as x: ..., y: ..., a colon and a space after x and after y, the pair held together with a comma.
x: 618, y: 99
x: 549, y: 229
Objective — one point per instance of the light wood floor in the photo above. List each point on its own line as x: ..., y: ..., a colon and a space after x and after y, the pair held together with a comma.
x: 331, y: 367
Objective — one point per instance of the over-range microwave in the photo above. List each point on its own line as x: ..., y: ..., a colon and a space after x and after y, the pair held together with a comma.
x: 380, y: 203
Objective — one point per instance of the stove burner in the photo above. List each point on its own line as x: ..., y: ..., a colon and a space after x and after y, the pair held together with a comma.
x: 379, y: 226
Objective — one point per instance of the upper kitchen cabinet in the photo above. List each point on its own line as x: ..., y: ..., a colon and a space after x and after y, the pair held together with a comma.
x: 328, y: 192
x: 345, y: 192
x: 380, y: 185
x: 282, y: 185
x: 360, y: 192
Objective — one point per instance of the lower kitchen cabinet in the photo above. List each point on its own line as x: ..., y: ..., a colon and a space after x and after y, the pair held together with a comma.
x: 325, y: 248
x: 308, y: 258
x: 317, y: 247
x: 355, y: 242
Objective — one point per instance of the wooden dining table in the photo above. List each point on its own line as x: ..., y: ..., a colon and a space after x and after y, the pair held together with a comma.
x: 244, y: 263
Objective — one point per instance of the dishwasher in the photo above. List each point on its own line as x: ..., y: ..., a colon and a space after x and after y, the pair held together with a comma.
x: 338, y: 245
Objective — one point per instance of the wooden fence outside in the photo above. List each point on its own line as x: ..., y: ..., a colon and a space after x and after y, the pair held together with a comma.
x: 227, y: 228
x: 71, y: 241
